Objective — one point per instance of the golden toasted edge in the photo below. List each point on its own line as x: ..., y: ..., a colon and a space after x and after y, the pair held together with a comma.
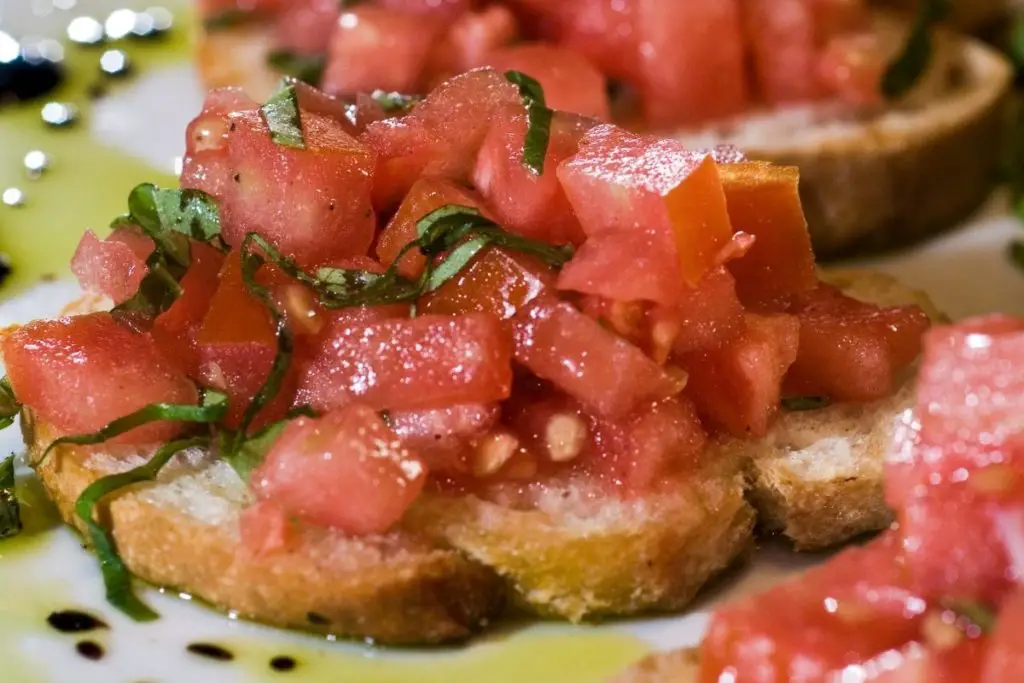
x: 818, y: 476
x: 677, y: 666
x: 578, y: 559
x: 395, y: 589
x: 901, y: 178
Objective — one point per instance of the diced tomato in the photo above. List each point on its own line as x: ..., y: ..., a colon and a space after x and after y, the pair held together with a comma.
x: 526, y: 203
x: 844, y: 613
x: 425, y: 196
x: 313, y: 203
x: 176, y: 330
x: 346, y: 470
x: 440, y: 137
x: 619, y: 181
x: 737, y: 387
x: 1005, y: 660
x: 836, y: 17
x: 306, y: 26
x: 80, y: 373
x: 764, y: 201
x: 497, y: 281
x: 205, y: 165
x: 443, y: 435
x: 113, y: 267
x: 316, y: 101
x: 624, y: 266
x: 692, y: 60
x: 426, y: 362
x: 850, y: 350
x: 604, y: 372
x: 265, y: 530
x: 469, y: 40
x: 851, y: 66
x: 957, y: 663
x: 236, y: 347
x: 363, y: 34
x: 570, y: 82
x: 449, y: 9
x: 706, y: 316
x: 783, y: 39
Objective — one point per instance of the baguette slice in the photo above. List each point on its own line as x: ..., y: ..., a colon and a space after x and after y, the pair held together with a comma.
x: 867, y: 182
x: 182, y: 531
x: 817, y: 476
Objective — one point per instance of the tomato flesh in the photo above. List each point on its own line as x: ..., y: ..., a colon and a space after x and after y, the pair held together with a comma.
x: 442, y: 436
x: 706, y: 316
x: 345, y: 470
x: 570, y: 82
x: 265, y: 530
x: 619, y: 182
x: 113, y: 267
x: 573, y: 351
x: 306, y: 26
x: 469, y: 39
x: 764, y: 201
x: 426, y: 362
x: 1005, y: 660
x: 737, y: 387
x: 523, y: 201
x: 783, y: 40
x: 852, y: 66
x: 205, y: 165
x: 80, y: 373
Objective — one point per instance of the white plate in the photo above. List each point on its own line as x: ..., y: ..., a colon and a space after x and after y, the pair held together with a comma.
x: 966, y: 273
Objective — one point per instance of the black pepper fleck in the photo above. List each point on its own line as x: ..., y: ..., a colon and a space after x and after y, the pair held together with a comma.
x: 283, y: 663
x: 73, y: 621
x: 237, y: 177
x: 91, y: 650
x: 232, y: 126
x: 317, y: 619
x: 210, y: 651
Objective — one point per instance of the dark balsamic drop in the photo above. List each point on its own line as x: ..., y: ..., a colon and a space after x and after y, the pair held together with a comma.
x: 5, y: 268
x: 23, y: 79
x: 90, y: 650
x: 71, y: 621
x: 283, y: 663
x: 210, y: 651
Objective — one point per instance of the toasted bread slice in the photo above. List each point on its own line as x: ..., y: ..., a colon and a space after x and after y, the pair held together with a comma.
x: 817, y: 476
x: 677, y: 666
x: 182, y: 531
x: 579, y: 554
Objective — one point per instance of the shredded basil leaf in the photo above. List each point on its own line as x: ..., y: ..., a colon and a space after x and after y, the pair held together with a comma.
x: 458, y: 259
x: 395, y: 102
x: 306, y: 68
x: 798, y: 403
x: 192, y: 213
x: 281, y: 112
x: 538, y: 120
x: 212, y: 408
x: 908, y: 67
x: 249, y: 454
x: 9, y: 405
x: 980, y: 614
x: 10, y: 509
x: 116, y: 577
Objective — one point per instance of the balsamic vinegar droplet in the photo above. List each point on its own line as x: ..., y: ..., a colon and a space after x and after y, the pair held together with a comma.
x: 73, y: 621
x: 27, y: 73
x: 283, y: 663
x: 211, y: 651
x: 90, y: 650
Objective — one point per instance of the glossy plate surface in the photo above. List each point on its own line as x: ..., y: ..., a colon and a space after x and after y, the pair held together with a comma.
x: 134, y: 134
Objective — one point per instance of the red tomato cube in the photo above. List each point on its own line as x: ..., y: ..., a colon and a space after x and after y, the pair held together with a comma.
x: 783, y: 38
x: 956, y: 663
x: 425, y: 196
x: 624, y: 266
x: 346, y: 470
x: 448, y: 9
x: 306, y: 26
x: 573, y: 351
x: 313, y: 203
x: 266, y: 530
x: 444, y: 436
x: 850, y: 350
x: 113, y: 267
x: 524, y: 202
x: 1005, y: 658
x: 78, y: 374
x: 431, y: 361
x: 618, y: 182
x: 468, y: 41
x: 440, y: 137
x: 205, y: 165
x: 851, y: 67
x: 738, y: 387
x: 692, y: 60
x: 570, y: 82
x: 363, y: 34
x: 764, y: 201
x: 809, y: 629
x: 706, y: 316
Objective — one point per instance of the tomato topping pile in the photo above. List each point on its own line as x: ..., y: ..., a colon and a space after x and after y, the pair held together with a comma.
x: 458, y: 293
x: 939, y: 597
x: 673, y: 63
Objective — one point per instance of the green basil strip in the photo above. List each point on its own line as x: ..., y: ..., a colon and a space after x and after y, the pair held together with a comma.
x: 306, y: 68
x: 9, y: 405
x: 158, y: 291
x: 10, y: 509
x: 116, y: 577
x: 798, y: 403
x: 395, y: 102
x: 212, y: 408
x: 162, y: 213
x: 249, y: 454
x: 978, y: 613
x: 251, y: 263
x: 458, y: 259
x: 906, y: 70
x: 538, y: 120
x: 281, y: 112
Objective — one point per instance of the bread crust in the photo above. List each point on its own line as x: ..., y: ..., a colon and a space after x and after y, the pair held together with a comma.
x: 396, y: 589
